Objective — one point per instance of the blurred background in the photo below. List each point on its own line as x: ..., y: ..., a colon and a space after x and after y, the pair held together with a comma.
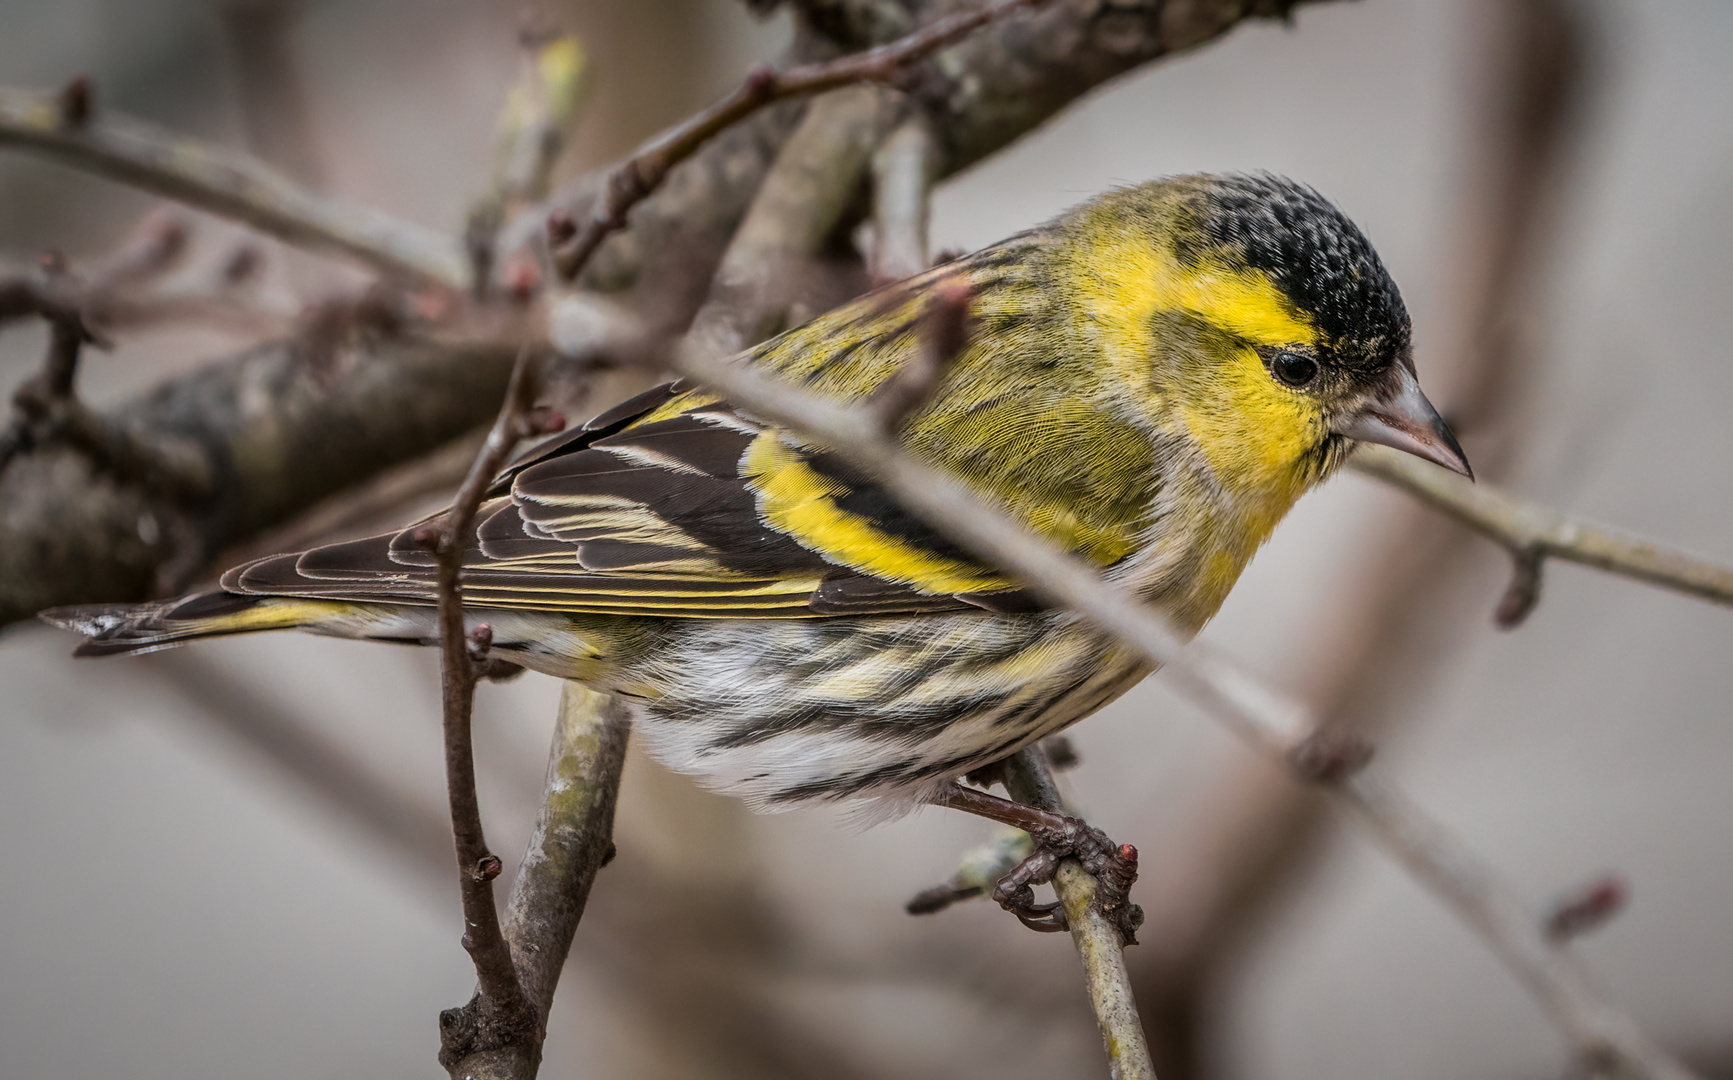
x: 199, y: 884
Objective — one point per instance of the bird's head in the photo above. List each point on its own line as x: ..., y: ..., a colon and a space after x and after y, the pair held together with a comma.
x: 1254, y: 313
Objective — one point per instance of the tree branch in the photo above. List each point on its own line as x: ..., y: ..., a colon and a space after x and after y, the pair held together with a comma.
x: 1097, y: 938
x: 500, y: 1015
x: 630, y: 182
x: 1533, y: 533
x: 279, y: 441
x: 769, y: 264
x: 573, y: 839
x: 902, y: 189
x: 1272, y: 724
x: 225, y: 183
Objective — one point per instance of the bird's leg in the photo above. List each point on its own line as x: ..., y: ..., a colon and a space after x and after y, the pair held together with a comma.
x: 1056, y: 836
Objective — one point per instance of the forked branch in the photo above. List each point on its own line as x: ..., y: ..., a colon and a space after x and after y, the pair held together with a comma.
x: 501, y: 1013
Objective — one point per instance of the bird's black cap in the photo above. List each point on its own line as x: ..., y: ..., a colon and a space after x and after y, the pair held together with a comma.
x: 1320, y: 259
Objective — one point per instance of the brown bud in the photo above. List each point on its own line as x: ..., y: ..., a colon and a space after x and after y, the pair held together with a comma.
x: 561, y: 227
x: 75, y: 99
x: 1331, y: 754
x: 1587, y: 907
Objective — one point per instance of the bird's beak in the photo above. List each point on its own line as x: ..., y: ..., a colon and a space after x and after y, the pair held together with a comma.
x: 1400, y: 416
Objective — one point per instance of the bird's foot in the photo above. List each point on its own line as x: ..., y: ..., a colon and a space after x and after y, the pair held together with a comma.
x: 1057, y: 837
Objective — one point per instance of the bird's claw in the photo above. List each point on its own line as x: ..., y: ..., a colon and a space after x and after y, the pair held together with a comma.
x: 1114, y: 867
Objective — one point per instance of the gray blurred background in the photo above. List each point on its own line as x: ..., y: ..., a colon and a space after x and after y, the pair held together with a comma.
x: 176, y: 904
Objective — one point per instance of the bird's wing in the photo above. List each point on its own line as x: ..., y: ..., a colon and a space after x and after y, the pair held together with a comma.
x: 673, y: 504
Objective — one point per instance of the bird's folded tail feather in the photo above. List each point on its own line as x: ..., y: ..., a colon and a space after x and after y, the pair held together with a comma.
x: 114, y: 629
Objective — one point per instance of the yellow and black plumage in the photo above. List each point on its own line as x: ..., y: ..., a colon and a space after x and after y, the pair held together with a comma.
x: 1152, y: 380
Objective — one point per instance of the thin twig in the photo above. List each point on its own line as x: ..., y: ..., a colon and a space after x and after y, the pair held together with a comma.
x: 501, y: 1010
x: 48, y: 408
x: 1533, y: 533
x: 528, y: 138
x: 1269, y: 722
x: 225, y: 183
x: 1097, y: 938
x: 632, y: 180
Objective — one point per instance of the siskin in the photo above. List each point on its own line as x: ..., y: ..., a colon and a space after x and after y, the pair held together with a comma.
x: 1152, y: 379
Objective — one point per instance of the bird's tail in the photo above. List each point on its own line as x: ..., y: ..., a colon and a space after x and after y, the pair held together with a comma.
x: 112, y: 629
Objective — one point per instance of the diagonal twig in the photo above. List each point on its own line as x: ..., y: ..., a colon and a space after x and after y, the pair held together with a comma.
x: 1029, y: 780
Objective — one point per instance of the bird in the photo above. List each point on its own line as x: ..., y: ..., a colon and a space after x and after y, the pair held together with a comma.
x: 1150, y: 381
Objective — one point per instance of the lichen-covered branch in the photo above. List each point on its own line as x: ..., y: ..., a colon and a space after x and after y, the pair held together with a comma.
x: 1270, y: 723
x: 573, y: 839
x: 1533, y: 533
x: 1096, y: 936
x: 274, y: 436
x: 225, y: 183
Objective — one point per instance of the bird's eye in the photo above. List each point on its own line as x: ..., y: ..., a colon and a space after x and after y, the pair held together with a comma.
x: 1293, y: 369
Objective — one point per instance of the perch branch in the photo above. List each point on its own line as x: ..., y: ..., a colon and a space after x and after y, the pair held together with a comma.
x: 572, y: 840
x: 225, y: 183
x: 1534, y: 533
x: 1270, y: 723
x: 631, y: 181
x: 1029, y: 781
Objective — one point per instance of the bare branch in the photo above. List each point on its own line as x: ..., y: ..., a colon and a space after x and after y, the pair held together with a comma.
x: 572, y: 840
x: 770, y: 264
x: 528, y: 138
x: 631, y: 181
x: 227, y: 184
x: 903, y: 171
x: 1533, y: 533
x: 1096, y: 936
x: 501, y: 1014
x: 1270, y: 723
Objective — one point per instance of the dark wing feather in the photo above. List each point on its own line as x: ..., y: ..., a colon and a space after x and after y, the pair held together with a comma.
x: 655, y: 507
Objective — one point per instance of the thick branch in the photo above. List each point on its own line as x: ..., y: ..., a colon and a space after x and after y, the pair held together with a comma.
x: 227, y: 184
x: 1273, y: 725
x: 275, y: 437
x: 1097, y: 938
x: 1532, y: 533
x: 902, y: 186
